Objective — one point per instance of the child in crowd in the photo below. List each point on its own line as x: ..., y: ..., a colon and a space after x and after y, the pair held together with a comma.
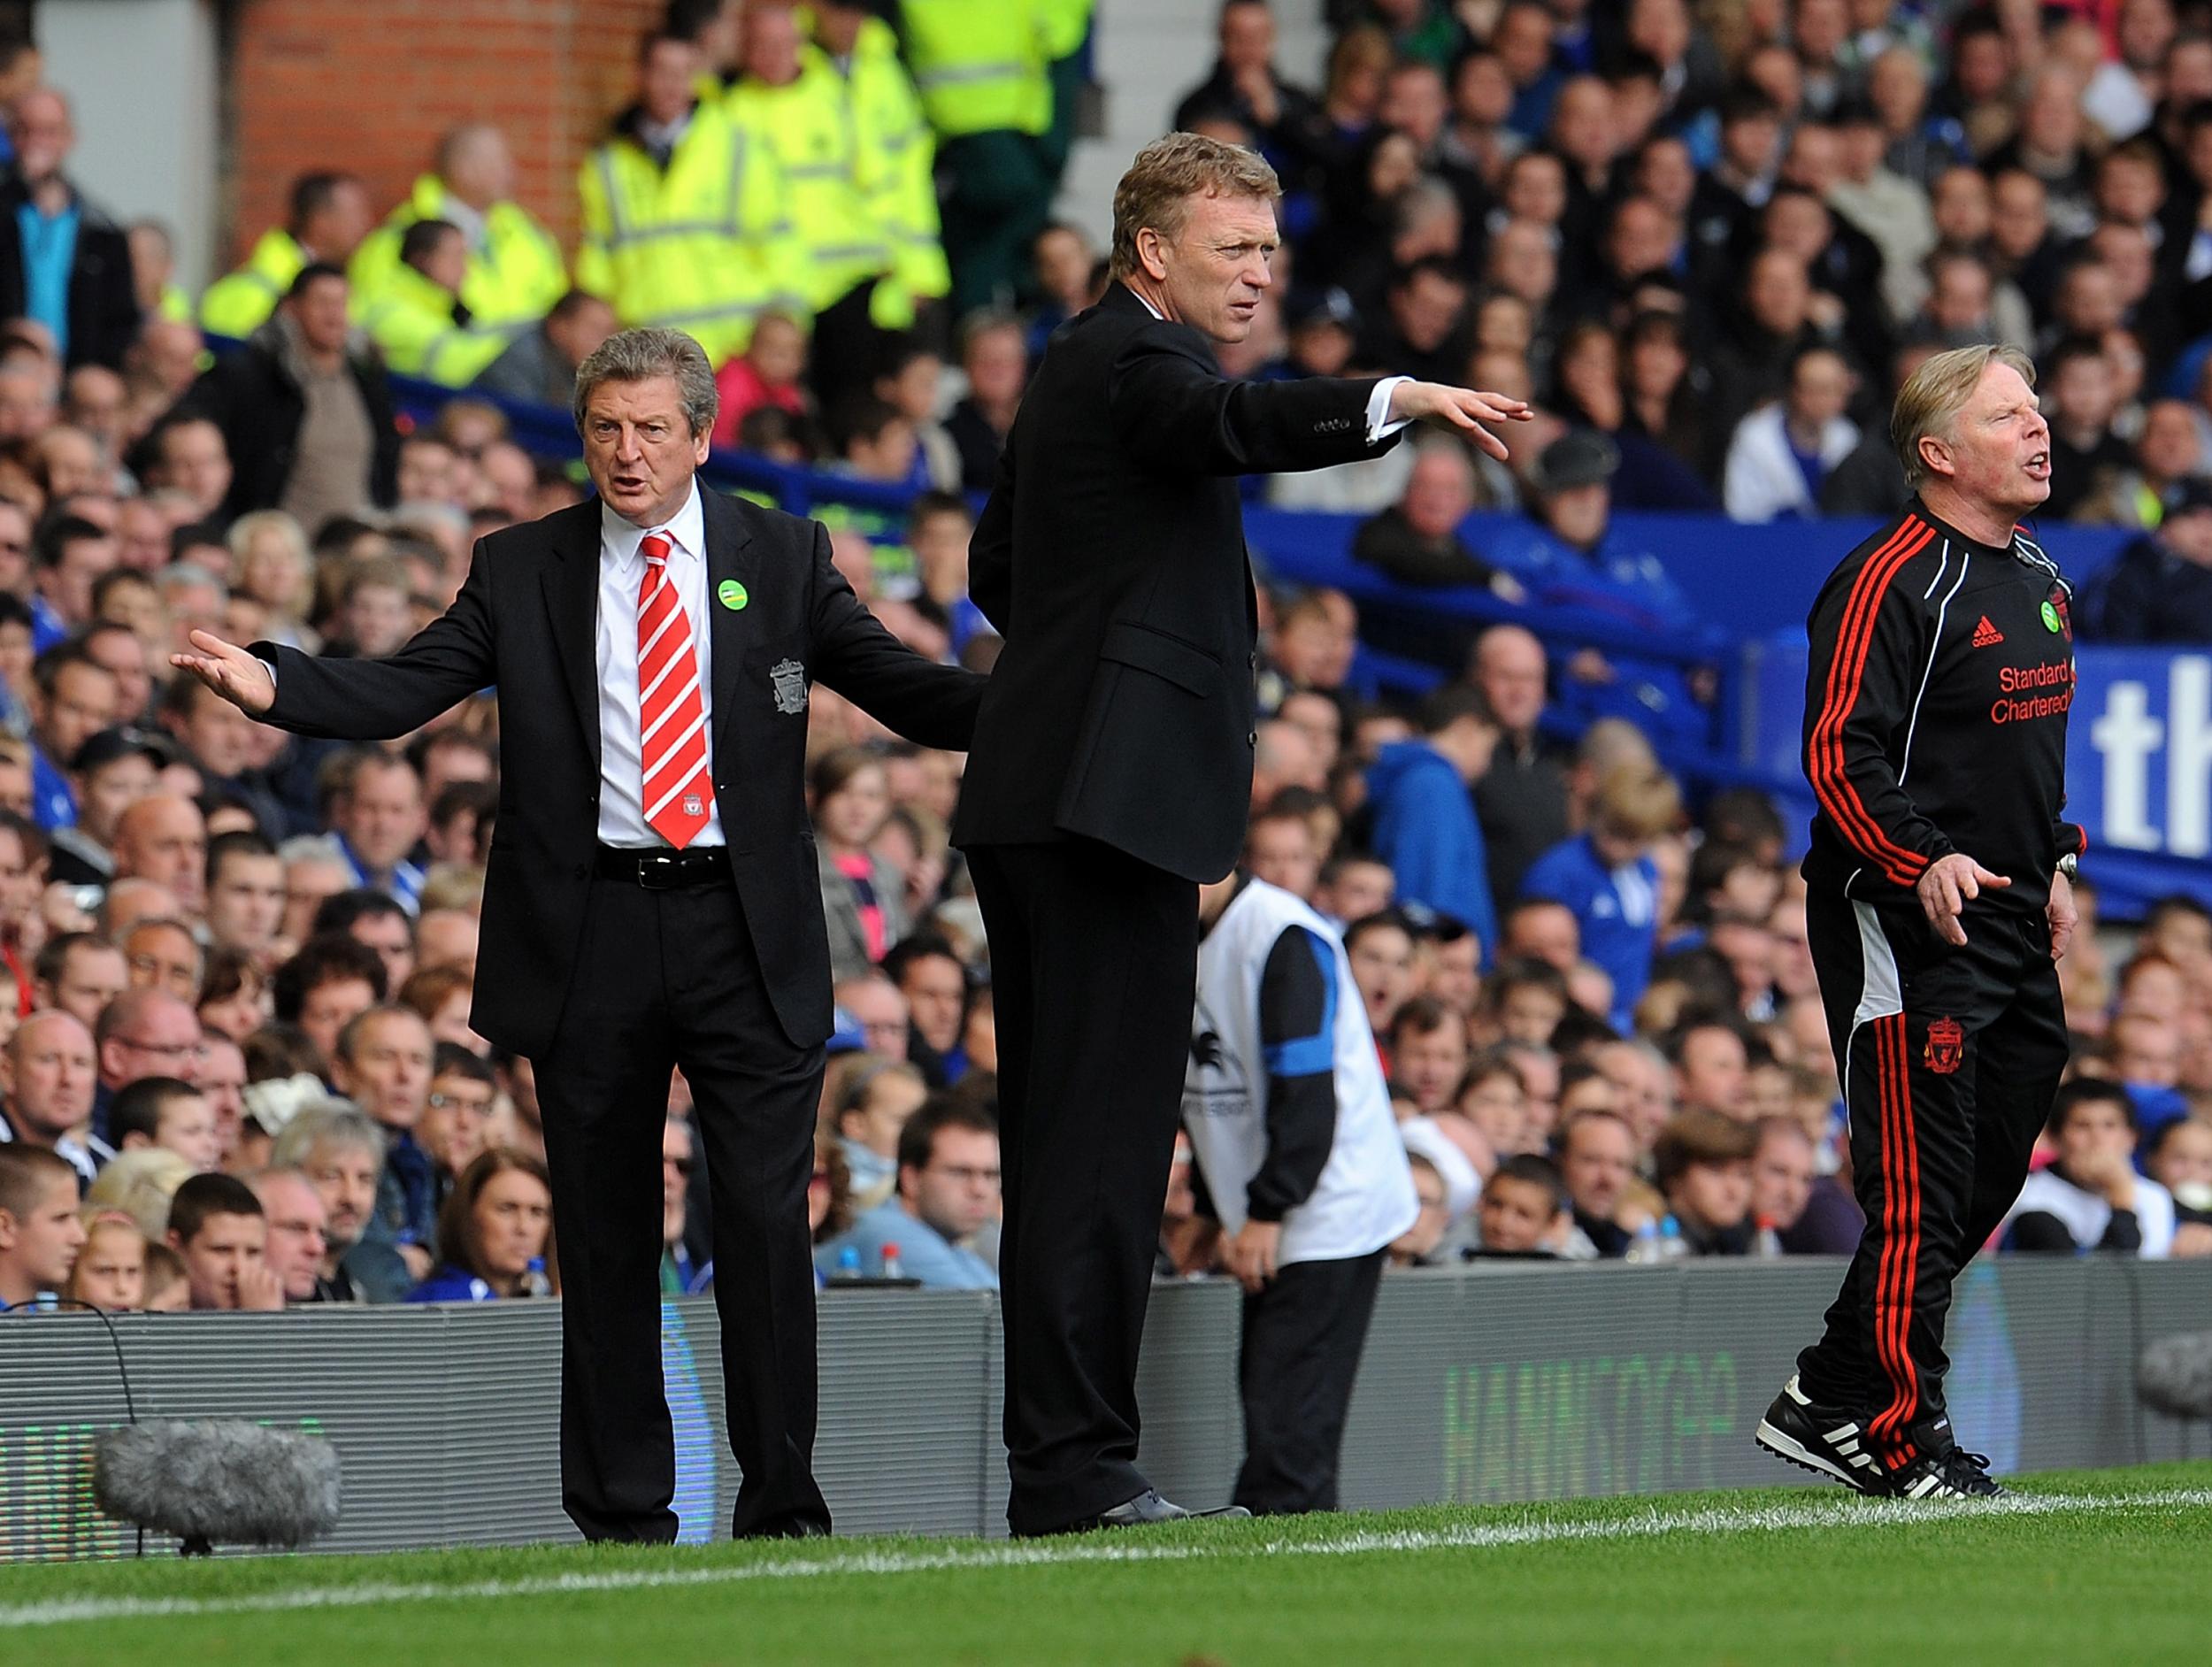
x: 768, y: 372
x: 2090, y: 1196
x: 168, y: 1290
x: 1491, y: 1097
x: 1524, y: 1208
x: 937, y: 530
x: 110, y: 1270
x: 863, y: 897
x: 909, y: 383
x: 167, y: 1113
x: 1607, y: 877
x: 1702, y: 1161
x: 869, y: 1116
x: 42, y: 1234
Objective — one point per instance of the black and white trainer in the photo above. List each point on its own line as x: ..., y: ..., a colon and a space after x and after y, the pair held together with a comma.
x: 1824, y: 1440
x: 1954, y: 1474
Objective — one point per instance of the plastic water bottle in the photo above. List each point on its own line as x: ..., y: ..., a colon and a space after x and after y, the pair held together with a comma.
x: 1645, y: 1248
x: 848, y: 1263
x: 534, y: 1282
x: 893, y: 1269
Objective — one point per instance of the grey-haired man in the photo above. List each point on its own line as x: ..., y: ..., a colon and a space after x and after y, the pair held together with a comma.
x: 646, y: 906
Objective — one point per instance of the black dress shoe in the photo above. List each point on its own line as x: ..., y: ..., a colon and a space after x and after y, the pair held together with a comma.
x: 1148, y: 1507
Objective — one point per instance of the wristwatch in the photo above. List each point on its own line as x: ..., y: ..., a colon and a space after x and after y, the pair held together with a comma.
x: 2070, y: 865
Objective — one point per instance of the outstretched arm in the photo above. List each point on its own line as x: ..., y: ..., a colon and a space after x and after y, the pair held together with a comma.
x: 932, y: 704
x: 444, y: 662
x: 1176, y: 412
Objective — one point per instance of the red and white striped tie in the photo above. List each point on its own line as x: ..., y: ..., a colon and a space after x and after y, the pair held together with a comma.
x: 674, y: 793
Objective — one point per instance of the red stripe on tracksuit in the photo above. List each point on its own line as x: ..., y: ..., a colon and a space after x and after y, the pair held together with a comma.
x: 1831, y: 786
x: 1894, y: 1286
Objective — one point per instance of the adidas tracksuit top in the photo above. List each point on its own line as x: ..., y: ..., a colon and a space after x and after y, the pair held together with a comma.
x: 1935, y: 721
x: 1935, y: 713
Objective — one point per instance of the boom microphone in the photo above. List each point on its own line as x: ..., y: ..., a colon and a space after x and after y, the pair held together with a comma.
x: 229, y: 1481
x: 2175, y: 1375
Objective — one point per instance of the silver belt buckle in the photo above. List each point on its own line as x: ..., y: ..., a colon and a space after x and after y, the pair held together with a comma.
x: 659, y: 871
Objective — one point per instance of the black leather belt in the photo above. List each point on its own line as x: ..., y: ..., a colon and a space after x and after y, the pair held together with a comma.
x: 663, y: 869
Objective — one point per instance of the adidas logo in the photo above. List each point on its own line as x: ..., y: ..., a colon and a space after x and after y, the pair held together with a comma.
x: 1987, y: 635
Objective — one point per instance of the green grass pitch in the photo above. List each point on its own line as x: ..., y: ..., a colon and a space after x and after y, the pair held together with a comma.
x: 2091, y: 1567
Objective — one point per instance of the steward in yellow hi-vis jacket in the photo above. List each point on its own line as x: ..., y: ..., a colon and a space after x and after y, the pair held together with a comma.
x: 686, y: 218
x: 416, y: 322
x: 894, y: 152
x: 984, y: 71
x: 515, y: 271
x: 790, y: 99
x: 329, y: 215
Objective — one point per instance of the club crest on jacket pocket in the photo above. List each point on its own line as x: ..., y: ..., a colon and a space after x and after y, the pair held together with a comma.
x: 789, y: 678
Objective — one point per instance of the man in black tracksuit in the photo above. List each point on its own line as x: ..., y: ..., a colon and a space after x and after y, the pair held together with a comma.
x: 1937, y: 902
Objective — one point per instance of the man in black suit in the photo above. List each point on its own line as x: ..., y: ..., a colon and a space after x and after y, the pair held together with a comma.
x: 1112, y: 769
x: 650, y: 897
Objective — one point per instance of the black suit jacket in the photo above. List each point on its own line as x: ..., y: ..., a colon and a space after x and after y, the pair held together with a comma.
x: 526, y: 620
x: 102, y: 301
x: 1111, y: 558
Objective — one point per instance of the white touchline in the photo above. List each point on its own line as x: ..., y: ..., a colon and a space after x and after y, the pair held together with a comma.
x: 1838, y: 1513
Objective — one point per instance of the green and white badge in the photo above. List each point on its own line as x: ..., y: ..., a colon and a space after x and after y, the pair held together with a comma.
x: 2050, y: 619
x: 731, y: 596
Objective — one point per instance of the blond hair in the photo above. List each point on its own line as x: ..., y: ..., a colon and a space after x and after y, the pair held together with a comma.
x: 1933, y: 396
x: 1637, y: 801
x: 138, y: 1184
x: 1157, y: 191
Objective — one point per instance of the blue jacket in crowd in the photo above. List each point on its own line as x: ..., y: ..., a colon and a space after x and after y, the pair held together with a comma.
x: 1425, y: 830
x: 1617, y: 909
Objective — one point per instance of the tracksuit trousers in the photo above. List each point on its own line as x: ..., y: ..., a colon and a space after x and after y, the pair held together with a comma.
x: 1950, y: 1058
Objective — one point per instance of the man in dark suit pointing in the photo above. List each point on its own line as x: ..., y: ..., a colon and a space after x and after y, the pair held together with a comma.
x: 650, y: 899
x: 1112, y: 769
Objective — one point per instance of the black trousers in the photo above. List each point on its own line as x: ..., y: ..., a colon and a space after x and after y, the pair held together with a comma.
x: 1093, y: 972
x: 1951, y: 1058
x: 1302, y: 1337
x: 668, y: 978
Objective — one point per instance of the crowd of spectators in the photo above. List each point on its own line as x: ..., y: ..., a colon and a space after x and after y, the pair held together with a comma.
x: 236, y: 1065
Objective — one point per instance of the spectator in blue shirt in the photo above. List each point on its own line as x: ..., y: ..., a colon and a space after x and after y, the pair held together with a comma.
x: 1569, y: 554
x: 69, y: 556
x: 1608, y: 879
x: 937, y: 530
x: 1425, y: 821
x: 947, y: 1192
x: 74, y: 698
x: 378, y: 818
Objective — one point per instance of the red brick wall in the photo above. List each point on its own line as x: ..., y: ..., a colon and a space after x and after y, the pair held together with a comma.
x: 337, y: 84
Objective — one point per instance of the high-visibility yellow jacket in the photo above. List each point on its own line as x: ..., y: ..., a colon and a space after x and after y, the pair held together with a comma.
x: 239, y: 302
x: 807, y: 125
x: 515, y: 271
x: 1061, y: 25
x: 705, y: 245
x: 410, y: 320
x: 895, y: 160
x: 979, y: 65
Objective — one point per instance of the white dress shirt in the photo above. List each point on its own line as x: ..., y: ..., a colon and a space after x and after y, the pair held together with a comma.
x: 621, y: 572
x: 1379, y: 428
